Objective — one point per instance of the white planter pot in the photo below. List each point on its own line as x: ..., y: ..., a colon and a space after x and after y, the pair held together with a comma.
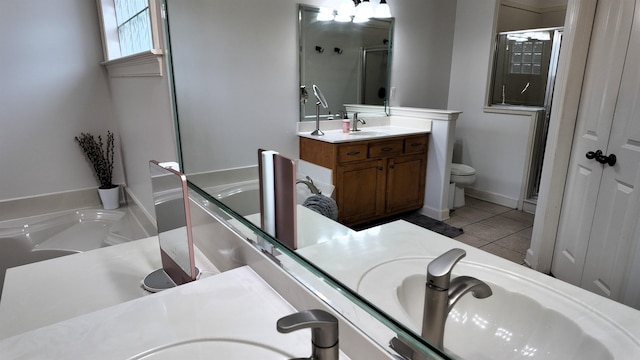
x: 110, y: 198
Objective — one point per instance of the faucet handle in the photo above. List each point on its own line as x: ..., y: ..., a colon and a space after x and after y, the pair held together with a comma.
x: 324, y: 327
x: 439, y: 269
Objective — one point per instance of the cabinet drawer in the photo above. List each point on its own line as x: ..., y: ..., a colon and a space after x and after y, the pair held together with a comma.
x: 386, y: 148
x: 416, y: 144
x: 353, y: 152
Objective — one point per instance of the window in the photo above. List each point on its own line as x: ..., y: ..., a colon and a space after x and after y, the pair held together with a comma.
x: 134, y: 26
x: 132, y: 37
x: 526, y: 57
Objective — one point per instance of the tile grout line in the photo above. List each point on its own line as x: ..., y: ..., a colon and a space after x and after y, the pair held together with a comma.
x: 502, y: 237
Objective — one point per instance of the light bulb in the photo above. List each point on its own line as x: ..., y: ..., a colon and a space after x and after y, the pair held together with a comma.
x: 364, y: 10
x: 347, y: 8
x: 382, y: 10
x: 325, y: 14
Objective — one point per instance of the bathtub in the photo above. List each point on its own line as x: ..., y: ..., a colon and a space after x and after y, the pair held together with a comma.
x: 42, y: 237
x: 244, y: 197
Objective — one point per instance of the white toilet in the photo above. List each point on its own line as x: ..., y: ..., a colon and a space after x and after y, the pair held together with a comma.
x: 461, y: 177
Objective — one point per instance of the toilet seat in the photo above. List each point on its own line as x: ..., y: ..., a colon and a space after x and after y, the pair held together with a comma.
x: 462, y: 170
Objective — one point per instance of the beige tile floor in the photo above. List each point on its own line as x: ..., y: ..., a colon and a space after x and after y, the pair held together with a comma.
x: 497, y: 229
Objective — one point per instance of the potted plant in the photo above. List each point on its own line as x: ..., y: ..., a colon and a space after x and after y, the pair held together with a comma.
x: 101, y: 158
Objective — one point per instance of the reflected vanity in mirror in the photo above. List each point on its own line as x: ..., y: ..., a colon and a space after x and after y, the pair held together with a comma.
x: 353, y: 64
x: 171, y: 201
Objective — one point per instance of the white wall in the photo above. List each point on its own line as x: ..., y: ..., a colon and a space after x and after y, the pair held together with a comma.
x: 520, y: 19
x: 236, y: 82
x: 422, y: 48
x: 143, y: 113
x: 494, y: 144
x: 52, y: 87
x: 244, y: 93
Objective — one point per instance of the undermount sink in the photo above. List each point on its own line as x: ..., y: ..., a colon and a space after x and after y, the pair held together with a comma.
x: 207, y: 348
x: 522, y: 319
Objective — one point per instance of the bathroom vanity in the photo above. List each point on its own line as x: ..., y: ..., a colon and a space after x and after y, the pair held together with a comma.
x: 377, y: 172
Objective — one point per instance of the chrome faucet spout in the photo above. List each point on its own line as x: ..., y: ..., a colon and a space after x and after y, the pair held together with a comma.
x: 442, y: 293
x: 354, y: 122
x: 465, y: 284
x: 312, y: 187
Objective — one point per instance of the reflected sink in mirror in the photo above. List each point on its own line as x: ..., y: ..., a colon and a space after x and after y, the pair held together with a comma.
x: 522, y: 319
x: 207, y: 348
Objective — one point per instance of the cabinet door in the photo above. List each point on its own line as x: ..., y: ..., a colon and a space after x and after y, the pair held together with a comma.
x: 405, y: 183
x: 360, y: 191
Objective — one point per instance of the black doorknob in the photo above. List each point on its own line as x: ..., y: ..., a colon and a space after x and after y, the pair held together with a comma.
x: 601, y: 158
x: 592, y: 155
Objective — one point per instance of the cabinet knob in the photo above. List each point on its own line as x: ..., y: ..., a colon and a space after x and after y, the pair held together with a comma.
x: 353, y: 153
x: 380, y: 168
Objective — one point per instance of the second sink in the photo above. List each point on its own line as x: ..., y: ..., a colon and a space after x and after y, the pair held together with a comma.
x: 522, y: 319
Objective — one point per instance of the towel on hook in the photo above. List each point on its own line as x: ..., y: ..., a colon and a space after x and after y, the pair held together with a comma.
x: 323, y: 205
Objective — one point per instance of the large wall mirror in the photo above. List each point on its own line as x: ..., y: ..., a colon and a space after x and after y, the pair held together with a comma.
x: 236, y: 83
x: 350, y: 62
x: 237, y: 72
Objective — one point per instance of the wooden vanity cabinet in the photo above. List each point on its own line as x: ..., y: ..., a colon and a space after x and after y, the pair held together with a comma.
x: 373, y: 178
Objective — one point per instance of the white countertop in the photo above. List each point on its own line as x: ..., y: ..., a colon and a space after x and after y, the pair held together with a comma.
x: 226, y: 314
x: 350, y: 257
x: 46, y: 292
x: 365, y: 133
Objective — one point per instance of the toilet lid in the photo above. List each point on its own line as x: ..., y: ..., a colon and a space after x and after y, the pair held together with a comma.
x: 461, y: 169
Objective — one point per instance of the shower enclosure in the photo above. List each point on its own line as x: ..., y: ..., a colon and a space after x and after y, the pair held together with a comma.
x: 524, y: 76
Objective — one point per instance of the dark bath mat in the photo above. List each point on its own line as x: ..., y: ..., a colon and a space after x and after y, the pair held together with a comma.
x: 417, y: 219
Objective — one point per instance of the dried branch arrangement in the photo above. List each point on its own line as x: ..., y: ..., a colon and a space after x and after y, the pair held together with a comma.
x: 100, y: 157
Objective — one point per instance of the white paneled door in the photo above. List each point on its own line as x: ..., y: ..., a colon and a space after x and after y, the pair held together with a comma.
x: 600, y: 212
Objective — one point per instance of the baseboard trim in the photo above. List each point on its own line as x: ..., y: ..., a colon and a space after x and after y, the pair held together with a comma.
x: 492, y: 197
x: 437, y: 214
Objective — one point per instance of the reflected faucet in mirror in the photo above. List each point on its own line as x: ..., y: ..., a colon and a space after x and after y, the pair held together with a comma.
x: 354, y: 122
x: 312, y: 187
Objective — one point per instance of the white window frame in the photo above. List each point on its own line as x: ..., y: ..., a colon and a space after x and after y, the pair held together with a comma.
x: 146, y: 63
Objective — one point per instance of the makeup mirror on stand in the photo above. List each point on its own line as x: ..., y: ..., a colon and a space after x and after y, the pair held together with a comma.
x: 321, y: 101
x: 171, y: 200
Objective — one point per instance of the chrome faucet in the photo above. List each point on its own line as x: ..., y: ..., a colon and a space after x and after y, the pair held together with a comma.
x: 442, y: 293
x: 354, y: 122
x: 312, y: 187
x: 324, y: 332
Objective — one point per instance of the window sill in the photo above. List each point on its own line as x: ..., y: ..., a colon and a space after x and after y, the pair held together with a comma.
x: 513, y: 109
x: 144, y: 64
